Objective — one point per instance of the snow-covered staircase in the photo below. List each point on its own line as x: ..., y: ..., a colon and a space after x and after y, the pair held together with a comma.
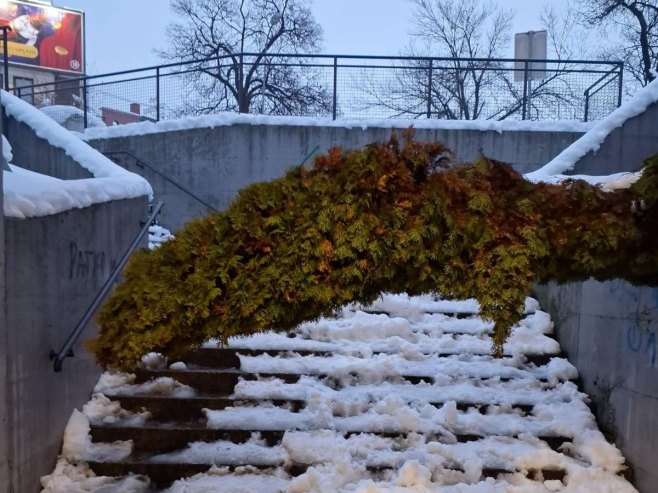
x: 402, y: 395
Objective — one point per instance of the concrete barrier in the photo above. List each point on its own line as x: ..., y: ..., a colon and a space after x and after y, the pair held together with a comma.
x: 609, y: 331
x: 55, y: 265
x: 214, y: 163
x: 625, y: 148
x: 4, y: 456
x: 39, y: 156
x: 51, y: 268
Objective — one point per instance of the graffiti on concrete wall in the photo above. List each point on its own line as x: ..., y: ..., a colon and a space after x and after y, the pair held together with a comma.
x: 642, y: 342
x: 88, y: 263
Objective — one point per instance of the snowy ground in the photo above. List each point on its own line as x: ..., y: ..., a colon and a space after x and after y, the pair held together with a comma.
x: 383, y: 413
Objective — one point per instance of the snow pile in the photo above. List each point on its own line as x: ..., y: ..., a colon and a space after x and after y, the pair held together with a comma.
x: 29, y: 194
x: 227, y: 119
x: 158, y: 235
x: 123, y: 383
x: 592, y: 140
x: 79, y: 447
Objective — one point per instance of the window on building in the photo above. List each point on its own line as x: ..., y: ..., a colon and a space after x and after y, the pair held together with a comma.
x: 26, y: 94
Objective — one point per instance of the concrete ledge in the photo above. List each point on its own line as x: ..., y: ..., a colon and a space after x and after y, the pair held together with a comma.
x: 215, y: 163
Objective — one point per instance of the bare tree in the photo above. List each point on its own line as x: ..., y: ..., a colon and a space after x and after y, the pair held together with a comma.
x: 460, y: 29
x: 240, y: 37
x: 636, y: 23
x: 457, y: 72
x: 467, y: 35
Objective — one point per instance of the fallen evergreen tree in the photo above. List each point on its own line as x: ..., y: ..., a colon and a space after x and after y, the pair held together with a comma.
x: 389, y: 218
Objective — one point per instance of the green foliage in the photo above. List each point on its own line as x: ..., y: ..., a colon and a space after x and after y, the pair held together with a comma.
x: 388, y: 218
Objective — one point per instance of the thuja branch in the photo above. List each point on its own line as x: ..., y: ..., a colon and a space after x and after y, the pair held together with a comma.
x: 392, y: 218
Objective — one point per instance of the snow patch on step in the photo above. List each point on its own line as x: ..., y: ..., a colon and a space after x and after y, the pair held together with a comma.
x: 124, y: 383
x: 78, y: 478
x: 79, y: 447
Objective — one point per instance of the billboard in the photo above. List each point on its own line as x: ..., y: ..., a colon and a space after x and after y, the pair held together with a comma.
x: 43, y: 36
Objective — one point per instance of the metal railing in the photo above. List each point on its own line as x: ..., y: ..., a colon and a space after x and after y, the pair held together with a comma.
x: 337, y: 86
x: 66, y: 351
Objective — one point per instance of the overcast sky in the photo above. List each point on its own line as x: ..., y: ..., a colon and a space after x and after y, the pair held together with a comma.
x: 122, y: 34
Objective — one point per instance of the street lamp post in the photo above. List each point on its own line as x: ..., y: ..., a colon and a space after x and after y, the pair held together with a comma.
x: 5, y: 54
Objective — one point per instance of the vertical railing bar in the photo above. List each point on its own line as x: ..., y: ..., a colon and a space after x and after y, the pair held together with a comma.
x: 621, y: 84
x: 335, y: 98
x: 525, y: 90
x: 429, y: 91
x: 84, y: 102
x: 157, y: 94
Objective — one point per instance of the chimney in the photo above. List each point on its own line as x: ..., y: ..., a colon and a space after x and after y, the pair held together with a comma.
x: 134, y: 108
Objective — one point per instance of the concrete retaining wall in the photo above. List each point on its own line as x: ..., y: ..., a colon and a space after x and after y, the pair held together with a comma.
x: 609, y: 330
x: 214, y: 163
x: 625, y: 148
x: 4, y: 458
x: 610, y: 333
x: 55, y: 265
x: 36, y: 154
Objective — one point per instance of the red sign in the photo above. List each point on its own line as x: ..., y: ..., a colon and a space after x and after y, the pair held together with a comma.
x: 43, y: 36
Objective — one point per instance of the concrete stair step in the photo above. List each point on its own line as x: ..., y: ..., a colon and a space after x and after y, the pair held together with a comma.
x: 229, y: 358
x: 163, y: 474
x: 219, y: 381
x: 164, y: 408
x: 162, y: 438
x: 157, y: 438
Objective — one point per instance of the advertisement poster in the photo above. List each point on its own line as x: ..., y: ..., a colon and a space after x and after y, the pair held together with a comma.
x: 43, y: 36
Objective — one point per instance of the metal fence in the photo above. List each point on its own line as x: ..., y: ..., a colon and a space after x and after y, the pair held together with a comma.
x: 340, y: 87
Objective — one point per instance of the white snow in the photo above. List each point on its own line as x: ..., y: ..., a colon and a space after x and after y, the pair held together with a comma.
x: 592, y: 140
x: 158, y: 235
x: 123, y: 383
x: 29, y: 194
x: 608, y: 183
x: 67, y: 115
x: 227, y: 119
x: 364, y: 409
x: 79, y: 447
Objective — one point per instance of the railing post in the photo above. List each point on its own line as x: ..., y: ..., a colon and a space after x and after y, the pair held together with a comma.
x: 335, y: 100
x: 621, y: 84
x: 586, y: 104
x: 525, y: 90
x: 429, y: 91
x: 84, y: 101
x: 157, y: 94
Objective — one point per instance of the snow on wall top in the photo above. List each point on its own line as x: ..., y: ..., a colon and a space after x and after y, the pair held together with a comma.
x: 592, y: 140
x: 29, y: 194
x: 227, y: 119
x: 61, y: 113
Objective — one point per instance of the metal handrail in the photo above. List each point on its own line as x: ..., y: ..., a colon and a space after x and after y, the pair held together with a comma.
x: 66, y: 351
x: 142, y: 164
